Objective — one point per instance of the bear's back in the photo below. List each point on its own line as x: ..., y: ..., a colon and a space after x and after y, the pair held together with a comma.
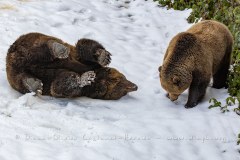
x: 215, y: 40
x: 212, y: 33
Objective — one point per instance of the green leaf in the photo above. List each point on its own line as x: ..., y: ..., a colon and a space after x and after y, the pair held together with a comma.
x: 230, y: 101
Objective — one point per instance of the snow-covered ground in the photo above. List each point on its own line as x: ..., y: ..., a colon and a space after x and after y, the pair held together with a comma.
x: 143, y: 125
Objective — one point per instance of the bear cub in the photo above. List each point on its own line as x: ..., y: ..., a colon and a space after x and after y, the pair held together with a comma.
x: 193, y: 57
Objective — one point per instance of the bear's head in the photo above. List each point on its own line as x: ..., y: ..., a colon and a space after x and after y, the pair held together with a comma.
x: 175, y: 81
x: 176, y: 71
x: 109, y: 84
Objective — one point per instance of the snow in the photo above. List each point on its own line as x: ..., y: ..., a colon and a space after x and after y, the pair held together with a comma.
x: 143, y: 125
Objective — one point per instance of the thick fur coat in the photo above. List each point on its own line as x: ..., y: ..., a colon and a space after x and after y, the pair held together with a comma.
x: 46, y: 65
x: 193, y: 57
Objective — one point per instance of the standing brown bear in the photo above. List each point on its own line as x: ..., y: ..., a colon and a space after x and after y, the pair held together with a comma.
x: 193, y: 57
x: 47, y: 65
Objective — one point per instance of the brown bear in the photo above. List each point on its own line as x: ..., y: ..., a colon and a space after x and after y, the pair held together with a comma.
x: 193, y: 57
x: 46, y: 65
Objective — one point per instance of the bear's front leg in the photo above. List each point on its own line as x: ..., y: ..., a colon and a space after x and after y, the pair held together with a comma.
x: 196, y: 93
x: 90, y: 51
x: 87, y: 78
x: 58, y: 50
x: 70, y: 84
x: 103, y: 57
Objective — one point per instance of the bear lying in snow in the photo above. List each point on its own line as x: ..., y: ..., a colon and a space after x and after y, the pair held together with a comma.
x: 47, y: 65
x: 193, y: 57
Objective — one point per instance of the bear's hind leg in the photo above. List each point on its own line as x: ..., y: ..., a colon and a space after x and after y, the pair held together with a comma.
x: 58, y: 50
x: 92, y: 52
x: 46, y: 53
x: 220, y: 77
x: 25, y: 83
x: 69, y: 84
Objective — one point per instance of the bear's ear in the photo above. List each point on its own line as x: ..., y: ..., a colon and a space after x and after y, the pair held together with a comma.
x: 176, y: 80
x: 159, y: 69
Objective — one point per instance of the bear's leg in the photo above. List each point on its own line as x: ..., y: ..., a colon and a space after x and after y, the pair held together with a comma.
x: 26, y: 83
x: 33, y: 85
x: 90, y: 51
x: 69, y: 84
x: 103, y: 57
x: 196, y: 93
x: 58, y: 50
x: 48, y: 53
x: 220, y: 77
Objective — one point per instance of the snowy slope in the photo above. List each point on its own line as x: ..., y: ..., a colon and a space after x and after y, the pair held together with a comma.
x: 144, y: 125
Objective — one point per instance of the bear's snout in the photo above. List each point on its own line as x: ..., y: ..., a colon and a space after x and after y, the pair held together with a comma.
x: 131, y: 86
x: 173, y: 97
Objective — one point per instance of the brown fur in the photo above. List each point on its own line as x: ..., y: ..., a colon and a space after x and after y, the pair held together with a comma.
x: 193, y: 57
x: 30, y: 57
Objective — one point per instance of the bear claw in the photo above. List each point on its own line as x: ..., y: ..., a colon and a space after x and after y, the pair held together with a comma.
x: 33, y: 85
x: 103, y: 57
x: 59, y: 50
x: 87, y: 78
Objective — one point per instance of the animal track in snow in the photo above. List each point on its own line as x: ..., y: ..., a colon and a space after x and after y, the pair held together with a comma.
x: 64, y: 8
x: 56, y: 25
